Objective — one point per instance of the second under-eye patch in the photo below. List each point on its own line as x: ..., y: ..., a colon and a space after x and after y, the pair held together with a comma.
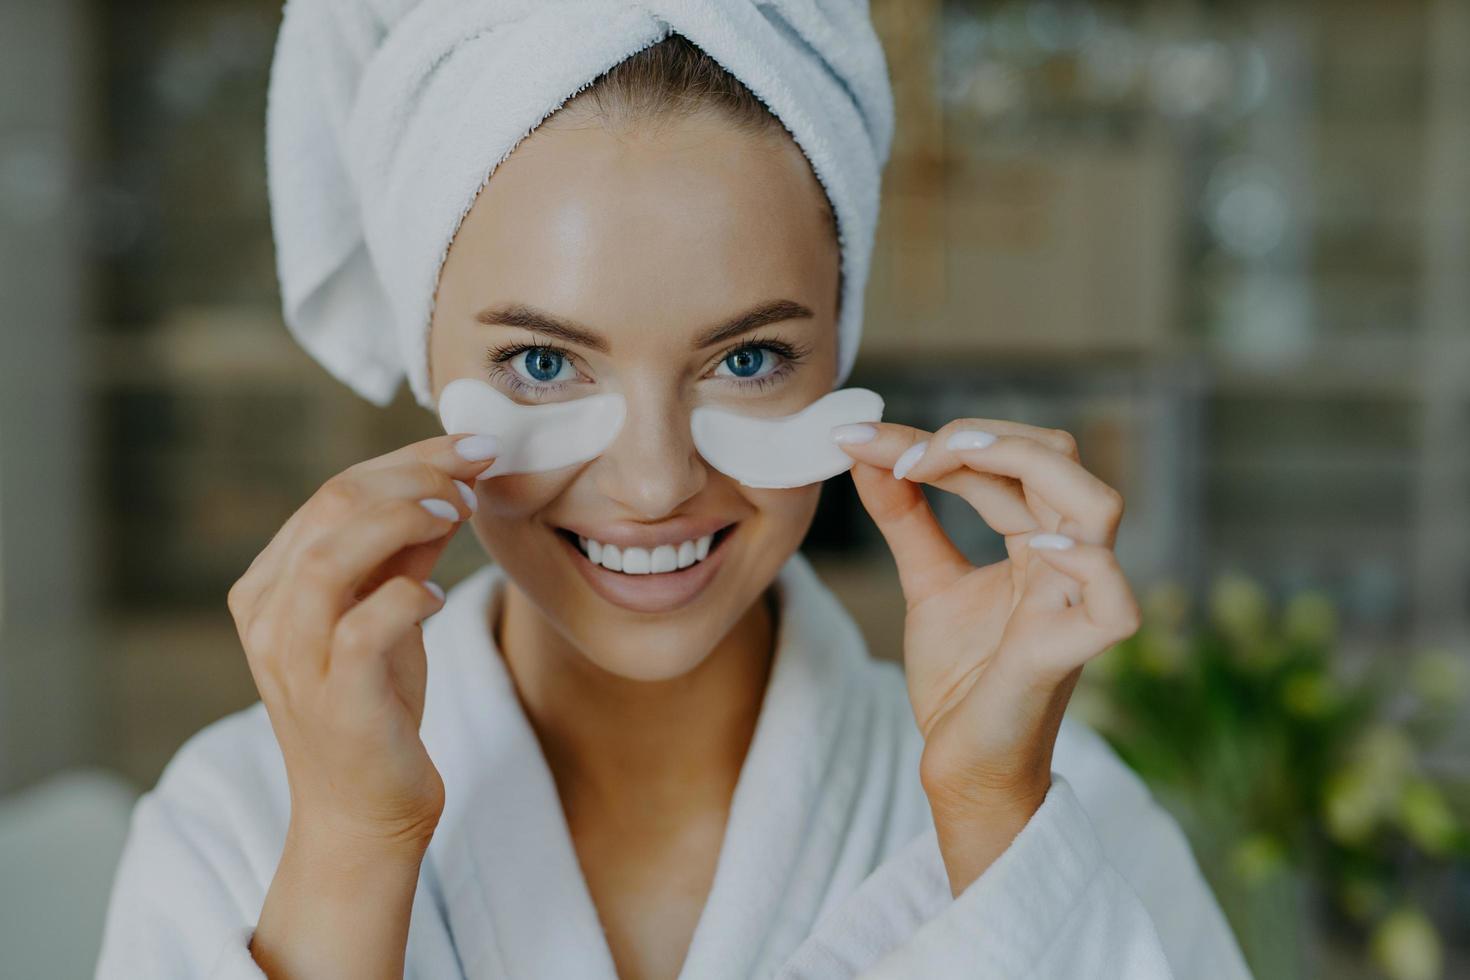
x: 765, y: 453
x: 790, y: 451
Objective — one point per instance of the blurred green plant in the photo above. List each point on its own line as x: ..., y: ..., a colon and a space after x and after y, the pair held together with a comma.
x: 1302, y: 790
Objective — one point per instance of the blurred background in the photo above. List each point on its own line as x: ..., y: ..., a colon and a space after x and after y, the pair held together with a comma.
x: 1225, y: 243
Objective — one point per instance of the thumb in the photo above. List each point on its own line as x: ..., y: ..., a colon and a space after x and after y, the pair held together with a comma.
x: 927, y: 559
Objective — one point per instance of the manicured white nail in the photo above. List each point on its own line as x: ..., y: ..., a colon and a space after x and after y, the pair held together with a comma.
x: 853, y: 432
x: 435, y: 588
x: 440, y: 508
x: 1051, y: 542
x: 470, y: 500
x: 908, y: 459
x: 477, y: 447
x: 969, y: 439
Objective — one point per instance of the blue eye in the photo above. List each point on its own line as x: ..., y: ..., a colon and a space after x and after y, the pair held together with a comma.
x: 541, y: 364
x: 747, y: 362
x: 537, y: 370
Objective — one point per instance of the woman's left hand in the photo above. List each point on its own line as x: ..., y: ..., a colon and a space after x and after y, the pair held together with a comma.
x: 992, y: 653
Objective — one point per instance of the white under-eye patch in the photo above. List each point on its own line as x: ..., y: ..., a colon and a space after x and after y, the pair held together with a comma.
x: 764, y: 453
x: 779, y: 453
x: 533, y: 438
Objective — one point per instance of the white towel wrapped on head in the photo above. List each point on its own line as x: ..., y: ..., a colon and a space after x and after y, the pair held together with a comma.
x: 386, y: 117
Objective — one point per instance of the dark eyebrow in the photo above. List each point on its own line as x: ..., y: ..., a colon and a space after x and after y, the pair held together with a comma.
x: 531, y: 318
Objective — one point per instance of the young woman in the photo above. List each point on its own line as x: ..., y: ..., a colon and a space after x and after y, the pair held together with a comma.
x: 576, y: 771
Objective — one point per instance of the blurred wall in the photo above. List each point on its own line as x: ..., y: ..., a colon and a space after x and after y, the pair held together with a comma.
x: 1224, y: 242
x: 48, y: 697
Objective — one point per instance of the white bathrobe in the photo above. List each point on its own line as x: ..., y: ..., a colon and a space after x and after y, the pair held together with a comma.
x: 829, y: 866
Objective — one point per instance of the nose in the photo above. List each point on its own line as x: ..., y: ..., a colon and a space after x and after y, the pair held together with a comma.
x: 652, y: 467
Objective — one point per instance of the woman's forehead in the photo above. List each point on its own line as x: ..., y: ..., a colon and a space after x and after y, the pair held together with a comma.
x: 680, y: 230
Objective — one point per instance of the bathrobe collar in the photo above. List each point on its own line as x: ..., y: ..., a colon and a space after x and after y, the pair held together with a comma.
x: 517, y: 902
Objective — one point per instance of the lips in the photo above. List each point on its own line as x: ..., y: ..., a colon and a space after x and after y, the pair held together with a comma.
x: 650, y: 591
x: 626, y: 533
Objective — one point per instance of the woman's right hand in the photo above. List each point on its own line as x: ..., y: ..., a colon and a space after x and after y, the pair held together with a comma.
x: 329, y: 616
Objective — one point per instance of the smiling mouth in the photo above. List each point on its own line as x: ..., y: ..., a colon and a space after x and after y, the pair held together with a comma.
x: 669, y: 559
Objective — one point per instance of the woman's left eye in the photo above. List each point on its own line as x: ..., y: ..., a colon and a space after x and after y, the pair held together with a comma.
x: 542, y: 365
x: 748, y: 363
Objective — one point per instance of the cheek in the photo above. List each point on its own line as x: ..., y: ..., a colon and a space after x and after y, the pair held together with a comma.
x: 522, y: 495
x: 786, y: 511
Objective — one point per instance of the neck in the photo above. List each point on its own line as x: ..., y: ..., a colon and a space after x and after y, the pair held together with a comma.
x: 614, y: 743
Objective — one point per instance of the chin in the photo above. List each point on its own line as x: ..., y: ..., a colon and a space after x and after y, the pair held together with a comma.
x: 656, y: 652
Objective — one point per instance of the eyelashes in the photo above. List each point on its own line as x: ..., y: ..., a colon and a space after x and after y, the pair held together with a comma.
x: 498, y: 358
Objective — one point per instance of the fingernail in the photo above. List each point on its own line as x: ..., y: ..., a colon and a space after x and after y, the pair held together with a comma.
x: 853, y: 432
x: 440, y: 508
x: 908, y: 459
x: 434, y: 588
x: 1051, y: 542
x: 969, y: 439
x: 477, y: 447
x: 470, y: 500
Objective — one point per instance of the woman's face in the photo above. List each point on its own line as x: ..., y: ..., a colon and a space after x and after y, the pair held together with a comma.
x: 689, y: 266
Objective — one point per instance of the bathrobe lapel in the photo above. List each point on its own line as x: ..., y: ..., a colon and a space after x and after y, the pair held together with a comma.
x: 518, y: 905
x: 808, y: 821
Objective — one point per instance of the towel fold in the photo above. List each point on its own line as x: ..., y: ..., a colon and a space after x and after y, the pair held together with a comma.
x: 386, y: 117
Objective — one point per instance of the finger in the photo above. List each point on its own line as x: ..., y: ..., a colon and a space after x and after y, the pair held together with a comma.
x: 927, y: 559
x: 459, y: 457
x: 1090, y: 509
x: 463, y: 456
x: 348, y: 494
x: 1057, y: 439
x: 413, y: 481
x: 326, y: 575
x: 1108, y: 612
x: 997, y: 499
x: 877, y: 443
x: 345, y: 497
x: 357, y: 546
x: 1043, y: 589
x: 368, y: 634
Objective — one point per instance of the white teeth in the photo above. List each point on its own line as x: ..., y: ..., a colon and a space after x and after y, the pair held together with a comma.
x: 665, y: 558
x: 643, y: 561
x: 612, y: 557
x: 635, y: 561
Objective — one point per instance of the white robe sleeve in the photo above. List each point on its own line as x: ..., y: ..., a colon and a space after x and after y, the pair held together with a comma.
x: 1103, y: 891
x: 1051, y: 906
x: 172, y: 915
x: 189, y: 887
